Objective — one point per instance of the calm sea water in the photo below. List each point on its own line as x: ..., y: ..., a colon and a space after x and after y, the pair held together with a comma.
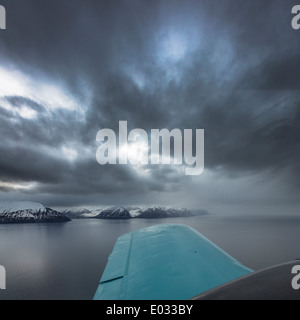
x: 65, y: 261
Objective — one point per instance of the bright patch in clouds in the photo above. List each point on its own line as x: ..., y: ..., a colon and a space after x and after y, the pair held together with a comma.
x: 27, y: 113
x: 174, y: 46
x: 173, y: 50
x: 16, y: 83
x: 69, y: 153
x: 17, y: 186
x: 23, y: 111
x: 137, y: 152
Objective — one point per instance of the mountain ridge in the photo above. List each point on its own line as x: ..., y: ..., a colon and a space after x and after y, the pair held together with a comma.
x: 132, y: 212
x: 28, y: 212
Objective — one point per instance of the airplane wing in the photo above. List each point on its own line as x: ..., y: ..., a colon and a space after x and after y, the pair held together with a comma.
x: 165, y: 262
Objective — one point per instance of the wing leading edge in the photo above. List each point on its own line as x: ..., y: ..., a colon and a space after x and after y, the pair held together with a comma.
x: 165, y: 262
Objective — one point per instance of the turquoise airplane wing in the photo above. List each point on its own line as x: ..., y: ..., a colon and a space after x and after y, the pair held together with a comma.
x: 165, y: 262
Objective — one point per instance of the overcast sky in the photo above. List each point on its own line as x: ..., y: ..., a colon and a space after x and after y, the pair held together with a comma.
x: 230, y: 67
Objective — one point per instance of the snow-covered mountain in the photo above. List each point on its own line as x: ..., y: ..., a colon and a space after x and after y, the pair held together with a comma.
x: 130, y: 212
x: 114, y: 213
x: 161, y: 212
x: 28, y: 212
x: 81, y: 213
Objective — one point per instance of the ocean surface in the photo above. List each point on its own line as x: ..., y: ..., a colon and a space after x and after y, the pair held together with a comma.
x: 66, y: 260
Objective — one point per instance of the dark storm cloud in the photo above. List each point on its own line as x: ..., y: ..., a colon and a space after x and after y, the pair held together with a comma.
x: 47, y: 128
x: 17, y: 101
x: 229, y: 67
